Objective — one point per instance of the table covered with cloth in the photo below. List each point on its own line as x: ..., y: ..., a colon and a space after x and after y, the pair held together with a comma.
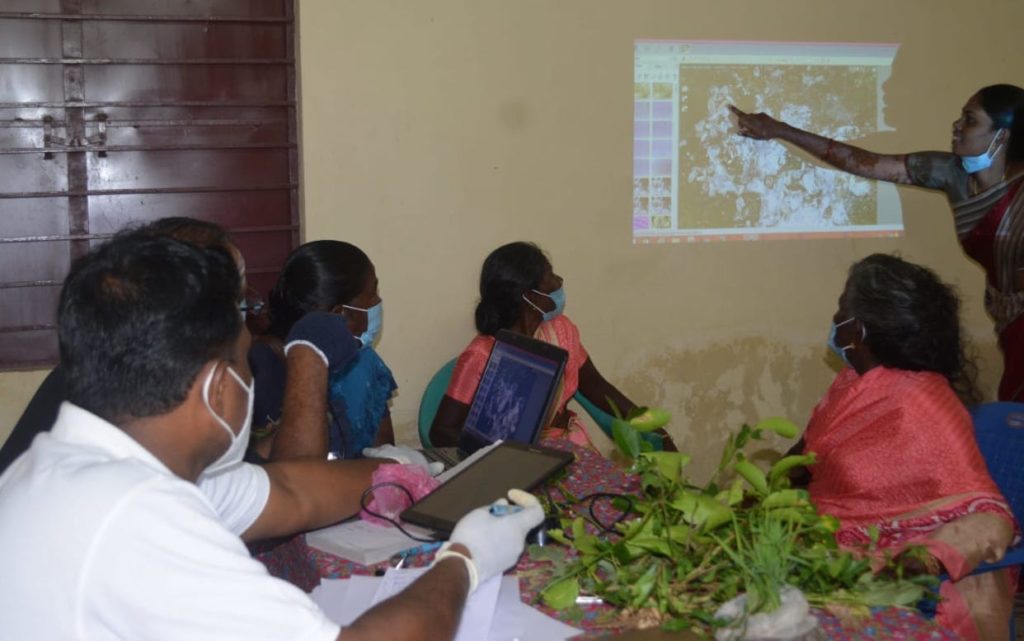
x: 590, y: 473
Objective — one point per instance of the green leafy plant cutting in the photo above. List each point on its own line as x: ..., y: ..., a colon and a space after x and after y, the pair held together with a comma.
x: 684, y: 550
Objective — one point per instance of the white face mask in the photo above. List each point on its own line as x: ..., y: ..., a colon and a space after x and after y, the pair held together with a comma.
x: 240, y: 441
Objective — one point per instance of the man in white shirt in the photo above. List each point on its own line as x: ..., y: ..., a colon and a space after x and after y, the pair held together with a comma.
x: 123, y: 522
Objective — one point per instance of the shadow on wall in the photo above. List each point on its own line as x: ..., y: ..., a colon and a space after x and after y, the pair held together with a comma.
x: 713, y: 390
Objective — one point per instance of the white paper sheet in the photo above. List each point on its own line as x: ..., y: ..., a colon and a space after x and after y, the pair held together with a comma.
x: 364, y: 542
x: 343, y: 600
x: 477, y: 615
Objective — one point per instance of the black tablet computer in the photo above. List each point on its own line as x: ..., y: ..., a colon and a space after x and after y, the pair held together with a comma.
x: 508, y: 465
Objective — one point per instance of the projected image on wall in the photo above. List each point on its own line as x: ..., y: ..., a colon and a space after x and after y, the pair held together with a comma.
x: 694, y: 179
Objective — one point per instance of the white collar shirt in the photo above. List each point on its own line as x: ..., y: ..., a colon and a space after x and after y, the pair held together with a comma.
x: 100, y: 541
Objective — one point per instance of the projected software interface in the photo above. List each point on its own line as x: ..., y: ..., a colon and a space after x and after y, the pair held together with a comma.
x: 695, y: 179
x: 512, y: 396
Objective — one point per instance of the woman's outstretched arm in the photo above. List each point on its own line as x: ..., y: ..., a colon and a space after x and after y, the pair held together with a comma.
x: 854, y: 160
x: 598, y: 391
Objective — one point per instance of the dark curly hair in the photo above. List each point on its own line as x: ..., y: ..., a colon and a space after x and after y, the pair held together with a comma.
x: 508, y: 272
x: 911, y: 319
x: 1004, y: 104
x: 316, y: 276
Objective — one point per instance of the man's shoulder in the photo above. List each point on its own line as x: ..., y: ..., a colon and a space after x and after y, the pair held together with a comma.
x: 79, y: 484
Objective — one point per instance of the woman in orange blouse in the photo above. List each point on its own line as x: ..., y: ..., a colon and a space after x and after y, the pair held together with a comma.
x: 520, y: 292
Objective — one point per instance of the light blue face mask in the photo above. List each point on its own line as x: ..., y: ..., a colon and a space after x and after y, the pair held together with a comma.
x: 374, y: 323
x: 839, y: 351
x: 557, y: 296
x: 981, y: 162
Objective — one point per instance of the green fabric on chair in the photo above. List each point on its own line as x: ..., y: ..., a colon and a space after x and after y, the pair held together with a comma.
x: 431, y: 400
x: 604, y: 420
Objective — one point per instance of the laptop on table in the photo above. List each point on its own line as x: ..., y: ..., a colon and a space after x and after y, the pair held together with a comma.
x: 517, y: 394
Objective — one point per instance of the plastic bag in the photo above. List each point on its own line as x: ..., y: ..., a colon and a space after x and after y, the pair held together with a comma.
x: 792, y: 621
x: 391, y: 501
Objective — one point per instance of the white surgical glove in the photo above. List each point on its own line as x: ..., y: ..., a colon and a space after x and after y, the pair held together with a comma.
x: 405, y: 455
x: 494, y: 542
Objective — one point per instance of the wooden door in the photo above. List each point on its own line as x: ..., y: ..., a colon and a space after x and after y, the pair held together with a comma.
x: 115, y: 112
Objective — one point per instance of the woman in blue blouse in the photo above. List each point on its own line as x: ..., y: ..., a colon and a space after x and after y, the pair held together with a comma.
x: 336, y: 277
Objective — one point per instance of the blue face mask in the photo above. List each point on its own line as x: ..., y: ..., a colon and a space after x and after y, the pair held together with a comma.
x: 557, y: 296
x: 374, y: 323
x: 839, y: 351
x: 981, y: 162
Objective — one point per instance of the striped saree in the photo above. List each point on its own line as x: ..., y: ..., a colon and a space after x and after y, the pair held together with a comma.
x: 990, y: 227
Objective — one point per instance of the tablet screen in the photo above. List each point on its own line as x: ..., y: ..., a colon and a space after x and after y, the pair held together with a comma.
x: 509, y: 465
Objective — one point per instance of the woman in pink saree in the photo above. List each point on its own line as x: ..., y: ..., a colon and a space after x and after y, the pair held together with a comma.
x: 897, y: 457
x: 520, y: 292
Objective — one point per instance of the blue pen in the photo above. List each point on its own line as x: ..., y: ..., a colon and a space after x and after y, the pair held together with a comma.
x: 501, y: 509
x: 426, y: 548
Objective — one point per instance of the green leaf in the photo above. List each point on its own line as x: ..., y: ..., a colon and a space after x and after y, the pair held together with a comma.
x: 892, y: 593
x: 644, y: 585
x: 559, y: 536
x: 735, y: 494
x: 554, y: 553
x: 782, y: 467
x: 614, y: 407
x: 752, y: 474
x: 676, y: 625
x: 585, y: 543
x: 650, y: 420
x: 873, y: 534
x: 626, y: 438
x: 787, y: 498
x: 701, y: 510
x: 656, y: 544
x: 781, y: 426
x: 669, y: 464
x: 561, y: 594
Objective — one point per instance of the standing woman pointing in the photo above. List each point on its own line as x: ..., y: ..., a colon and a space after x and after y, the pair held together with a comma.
x: 981, y: 178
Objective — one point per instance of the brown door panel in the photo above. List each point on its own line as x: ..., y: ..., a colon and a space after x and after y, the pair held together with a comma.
x: 31, y: 83
x: 131, y: 110
x: 28, y: 306
x: 225, y: 8
x: 32, y: 217
x: 29, y: 38
x: 231, y: 209
x: 185, y: 83
x: 183, y: 41
x: 143, y: 133
x: 28, y: 349
x: 31, y: 173
x: 188, y: 170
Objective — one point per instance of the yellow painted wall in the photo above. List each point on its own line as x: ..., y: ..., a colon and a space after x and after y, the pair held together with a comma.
x: 435, y: 130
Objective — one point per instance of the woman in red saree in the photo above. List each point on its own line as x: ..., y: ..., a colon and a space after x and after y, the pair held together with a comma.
x: 519, y: 291
x: 897, y: 457
x: 981, y: 179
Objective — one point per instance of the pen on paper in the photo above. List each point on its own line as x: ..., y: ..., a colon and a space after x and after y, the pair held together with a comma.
x: 421, y: 549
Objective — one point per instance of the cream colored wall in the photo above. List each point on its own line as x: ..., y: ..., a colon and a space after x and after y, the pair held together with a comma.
x: 16, y: 388
x: 435, y: 130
